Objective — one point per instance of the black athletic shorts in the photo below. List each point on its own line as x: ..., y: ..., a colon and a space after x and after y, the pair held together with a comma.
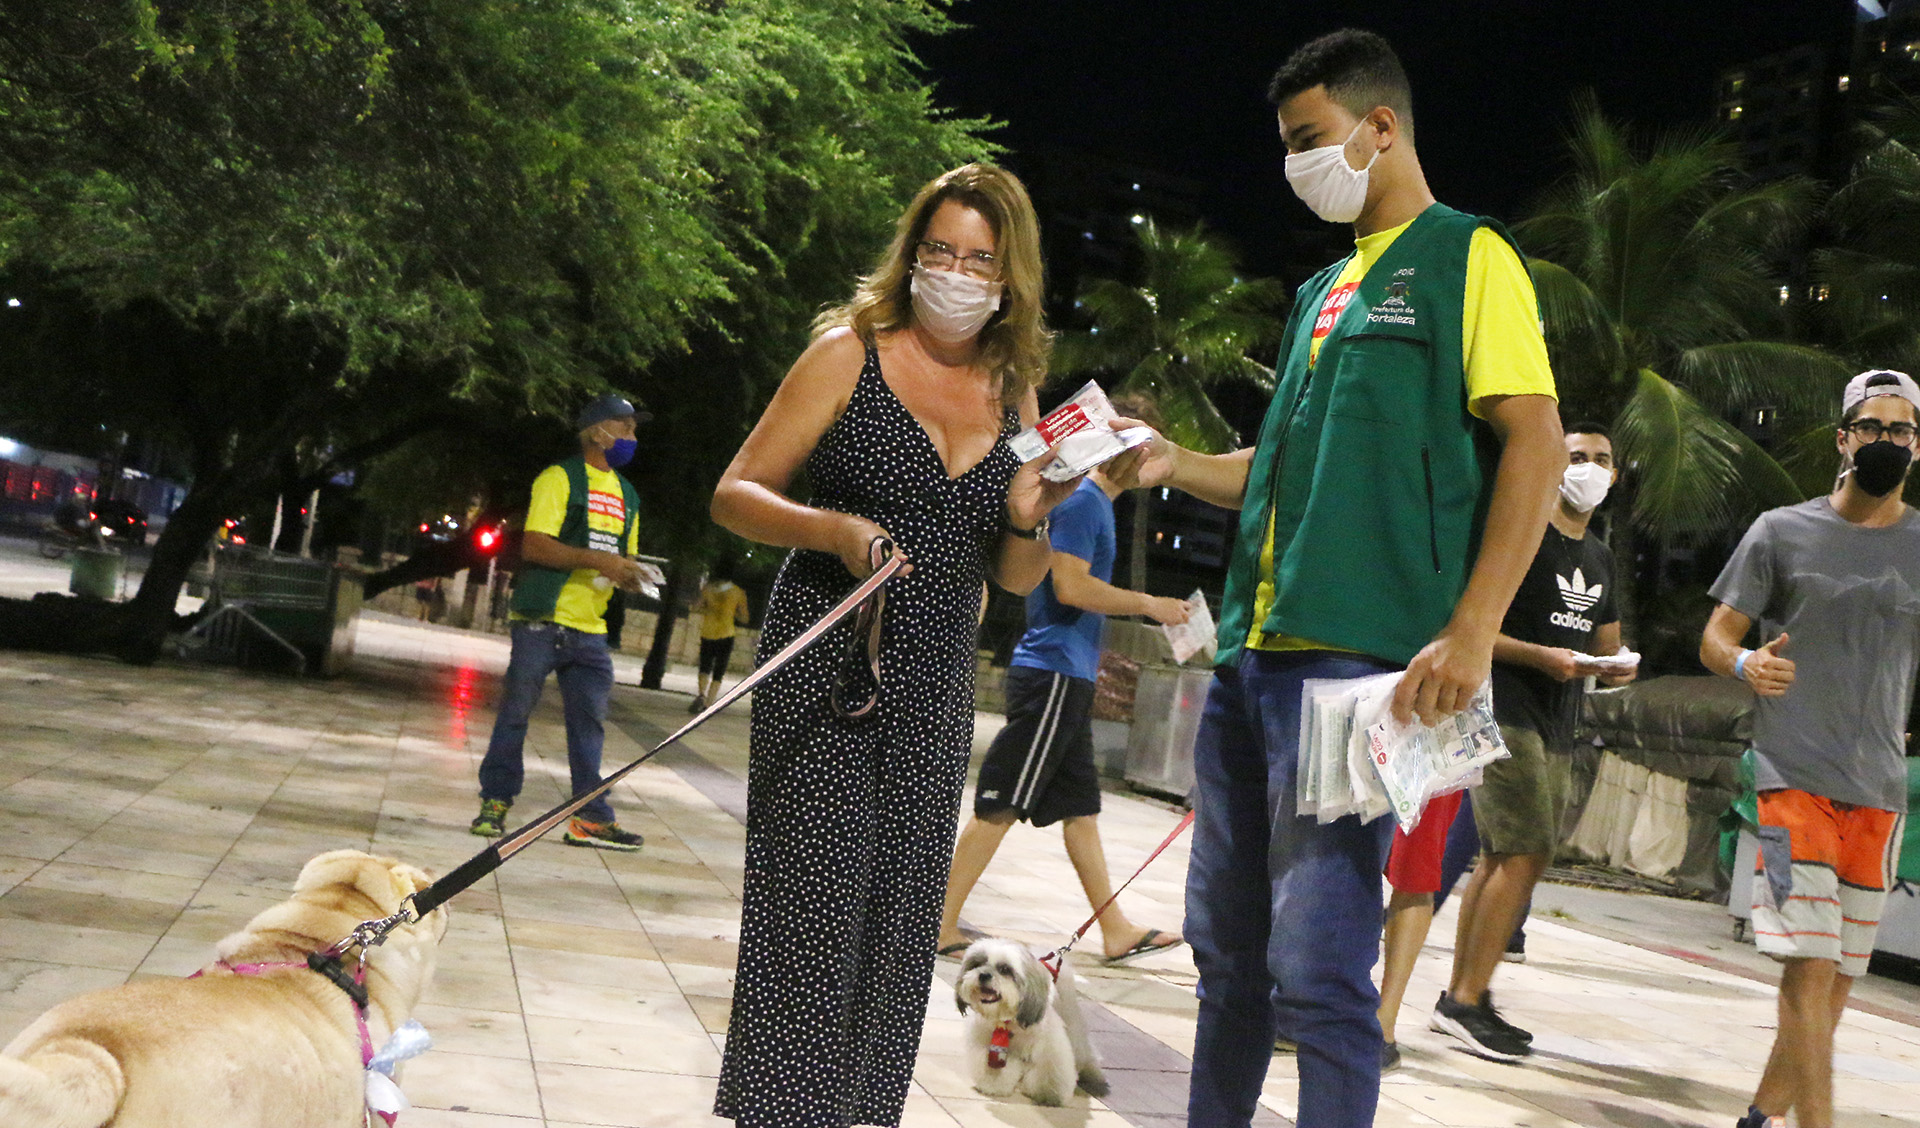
x: 714, y: 656
x: 1041, y: 765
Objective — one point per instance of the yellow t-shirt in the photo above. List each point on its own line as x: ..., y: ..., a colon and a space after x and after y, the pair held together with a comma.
x: 582, y: 604
x: 721, y: 606
x: 1500, y: 342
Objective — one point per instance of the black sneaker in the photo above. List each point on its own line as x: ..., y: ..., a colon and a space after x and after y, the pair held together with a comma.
x: 1757, y: 1119
x: 491, y: 822
x: 1486, y: 1004
x: 1389, y: 1057
x: 1479, y: 1027
x: 1516, y: 949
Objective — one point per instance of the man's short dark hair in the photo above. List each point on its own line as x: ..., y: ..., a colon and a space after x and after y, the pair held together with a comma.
x: 1358, y: 68
x: 1589, y: 427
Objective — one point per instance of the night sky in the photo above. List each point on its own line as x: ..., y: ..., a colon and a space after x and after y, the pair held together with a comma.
x: 1179, y: 85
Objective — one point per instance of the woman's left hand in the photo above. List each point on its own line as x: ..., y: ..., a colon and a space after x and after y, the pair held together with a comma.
x: 1031, y: 497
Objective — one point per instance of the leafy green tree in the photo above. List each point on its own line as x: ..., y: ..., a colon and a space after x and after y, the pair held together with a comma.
x: 1866, y: 282
x: 288, y: 235
x: 1659, y: 283
x: 1188, y: 325
x: 1659, y: 275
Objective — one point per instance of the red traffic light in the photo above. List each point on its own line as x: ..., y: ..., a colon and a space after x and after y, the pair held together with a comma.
x: 486, y: 539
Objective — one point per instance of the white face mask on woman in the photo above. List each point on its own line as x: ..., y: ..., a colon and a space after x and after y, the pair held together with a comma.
x: 952, y: 306
x: 1325, y: 182
x: 1585, y: 485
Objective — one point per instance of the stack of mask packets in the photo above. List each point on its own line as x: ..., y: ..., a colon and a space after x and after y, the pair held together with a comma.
x: 1082, y: 430
x: 1194, y: 635
x: 1355, y: 759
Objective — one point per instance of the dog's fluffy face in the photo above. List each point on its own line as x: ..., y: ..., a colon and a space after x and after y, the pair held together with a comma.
x: 1003, y: 982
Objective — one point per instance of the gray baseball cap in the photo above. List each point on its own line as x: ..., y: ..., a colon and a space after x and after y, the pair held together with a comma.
x: 1879, y: 382
x: 612, y: 405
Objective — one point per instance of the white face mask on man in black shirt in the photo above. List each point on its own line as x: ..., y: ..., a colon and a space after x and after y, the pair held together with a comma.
x: 1585, y: 485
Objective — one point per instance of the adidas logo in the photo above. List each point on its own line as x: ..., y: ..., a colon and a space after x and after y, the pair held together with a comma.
x: 1576, y: 593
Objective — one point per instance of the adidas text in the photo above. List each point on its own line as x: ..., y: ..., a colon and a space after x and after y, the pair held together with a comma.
x: 1571, y: 621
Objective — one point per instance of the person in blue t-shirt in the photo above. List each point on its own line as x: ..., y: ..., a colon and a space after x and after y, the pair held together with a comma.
x: 1040, y: 767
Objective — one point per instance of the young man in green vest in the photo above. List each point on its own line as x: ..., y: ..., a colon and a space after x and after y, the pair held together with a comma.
x: 1396, y: 494
x: 580, y: 531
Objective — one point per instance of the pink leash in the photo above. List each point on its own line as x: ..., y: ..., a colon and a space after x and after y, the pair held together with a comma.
x: 1053, y: 960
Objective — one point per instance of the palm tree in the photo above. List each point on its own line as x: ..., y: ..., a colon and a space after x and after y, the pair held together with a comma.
x: 1659, y: 287
x: 1186, y: 327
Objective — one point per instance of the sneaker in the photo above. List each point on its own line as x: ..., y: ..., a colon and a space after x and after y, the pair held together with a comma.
x: 605, y: 836
x: 1389, y: 1057
x: 1486, y: 1004
x: 1757, y: 1119
x: 1516, y: 950
x: 1479, y: 1027
x: 697, y: 704
x: 491, y: 822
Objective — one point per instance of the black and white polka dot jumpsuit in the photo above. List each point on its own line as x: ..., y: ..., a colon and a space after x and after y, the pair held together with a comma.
x: 850, y: 824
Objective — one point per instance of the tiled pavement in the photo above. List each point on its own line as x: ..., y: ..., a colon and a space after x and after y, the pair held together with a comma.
x: 146, y: 812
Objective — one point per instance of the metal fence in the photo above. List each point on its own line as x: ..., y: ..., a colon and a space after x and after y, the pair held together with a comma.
x: 249, y: 583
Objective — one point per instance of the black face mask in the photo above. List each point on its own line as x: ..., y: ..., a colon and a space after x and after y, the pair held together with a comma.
x: 1879, y: 467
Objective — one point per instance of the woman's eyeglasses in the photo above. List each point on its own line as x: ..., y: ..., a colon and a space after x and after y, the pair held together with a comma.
x: 938, y: 256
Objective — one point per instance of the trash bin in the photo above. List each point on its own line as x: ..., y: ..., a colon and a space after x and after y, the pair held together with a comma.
x: 96, y: 573
x: 1167, y: 703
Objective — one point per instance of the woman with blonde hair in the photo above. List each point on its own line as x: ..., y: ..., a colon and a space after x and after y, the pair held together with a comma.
x: 899, y: 411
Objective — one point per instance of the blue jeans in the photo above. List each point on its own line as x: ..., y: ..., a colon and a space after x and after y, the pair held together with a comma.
x: 585, y: 673
x: 1283, y: 914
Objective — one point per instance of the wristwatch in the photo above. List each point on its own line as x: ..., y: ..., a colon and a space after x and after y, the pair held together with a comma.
x: 1035, y: 533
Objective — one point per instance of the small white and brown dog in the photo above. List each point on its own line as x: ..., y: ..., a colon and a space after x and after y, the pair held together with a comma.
x: 1025, y: 1033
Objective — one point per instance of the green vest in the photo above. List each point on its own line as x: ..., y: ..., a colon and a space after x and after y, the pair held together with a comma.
x: 536, y: 587
x: 1376, y: 476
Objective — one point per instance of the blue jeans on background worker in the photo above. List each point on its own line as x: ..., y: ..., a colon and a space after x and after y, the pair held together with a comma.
x: 584, y: 670
x: 1283, y: 913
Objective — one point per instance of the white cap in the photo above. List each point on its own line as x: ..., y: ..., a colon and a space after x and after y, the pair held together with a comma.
x: 1879, y: 382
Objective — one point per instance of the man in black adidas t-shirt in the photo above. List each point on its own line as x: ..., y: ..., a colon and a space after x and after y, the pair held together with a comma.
x: 1562, y: 615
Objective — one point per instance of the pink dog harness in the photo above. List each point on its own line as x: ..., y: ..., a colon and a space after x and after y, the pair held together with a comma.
x: 355, y: 988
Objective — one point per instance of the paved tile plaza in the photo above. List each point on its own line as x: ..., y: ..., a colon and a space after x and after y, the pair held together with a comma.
x: 144, y: 813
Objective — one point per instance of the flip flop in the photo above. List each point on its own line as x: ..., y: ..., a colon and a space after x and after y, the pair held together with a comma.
x: 1147, y: 945
x: 954, y: 951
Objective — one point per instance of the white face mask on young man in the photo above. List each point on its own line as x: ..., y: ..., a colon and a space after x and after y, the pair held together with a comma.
x: 1326, y: 183
x: 1585, y: 485
x: 953, y: 306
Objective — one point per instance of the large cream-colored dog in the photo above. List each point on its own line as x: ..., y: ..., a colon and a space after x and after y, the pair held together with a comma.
x: 276, y: 1049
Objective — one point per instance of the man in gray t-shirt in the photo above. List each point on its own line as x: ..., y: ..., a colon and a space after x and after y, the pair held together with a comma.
x: 1834, y: 584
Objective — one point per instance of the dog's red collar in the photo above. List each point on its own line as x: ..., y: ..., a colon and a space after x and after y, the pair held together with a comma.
x: 356, y: 991
x: 997, y: 1046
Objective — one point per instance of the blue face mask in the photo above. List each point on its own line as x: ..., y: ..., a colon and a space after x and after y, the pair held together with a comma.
x: 621, y: 452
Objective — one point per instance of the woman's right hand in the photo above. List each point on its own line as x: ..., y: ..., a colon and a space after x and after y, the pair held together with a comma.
x: 855, y: 545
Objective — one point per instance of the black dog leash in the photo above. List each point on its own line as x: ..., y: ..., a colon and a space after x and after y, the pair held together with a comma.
x: 868, y: 599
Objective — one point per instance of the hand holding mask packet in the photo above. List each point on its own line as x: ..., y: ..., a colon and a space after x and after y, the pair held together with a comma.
x: 1194, y: 635
x: 1355, y: 759
x: 1082, y: 428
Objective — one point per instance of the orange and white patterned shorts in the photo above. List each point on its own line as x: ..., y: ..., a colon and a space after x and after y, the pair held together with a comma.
x: 1822, y: 877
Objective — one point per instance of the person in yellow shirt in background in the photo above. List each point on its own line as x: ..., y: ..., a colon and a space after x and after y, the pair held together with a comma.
x: 580, y: 534
x: 722, y: 610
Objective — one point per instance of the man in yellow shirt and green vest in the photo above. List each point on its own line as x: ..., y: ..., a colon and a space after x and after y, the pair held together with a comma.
x: 1396, y: 494
x: 580, y: 533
